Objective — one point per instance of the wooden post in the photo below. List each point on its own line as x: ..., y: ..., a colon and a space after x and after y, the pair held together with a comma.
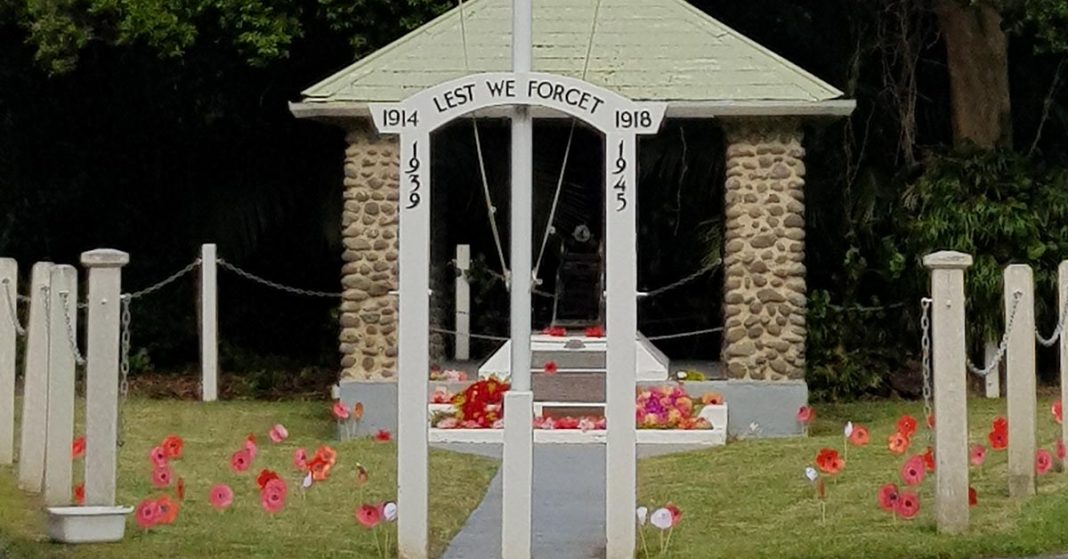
x: 59, y: 431
x: 35, y: 383
x: 209, y: 324
x: 9, y: 316
x: 102, y: 373
x: 1020, y: 379
x: 992, y: 382
x: 950, y: 389
x: 1062, y: 301
x: 463, y: 304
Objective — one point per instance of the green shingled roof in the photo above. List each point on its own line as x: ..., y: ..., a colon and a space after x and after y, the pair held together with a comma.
x: 654, y: 50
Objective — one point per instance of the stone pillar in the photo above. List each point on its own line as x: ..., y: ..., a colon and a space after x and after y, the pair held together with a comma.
x: 764, y: 254
x: 369, y: 231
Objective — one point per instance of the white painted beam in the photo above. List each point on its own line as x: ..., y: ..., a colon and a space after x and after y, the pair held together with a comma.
x: 209, y: 324
x: 463, y: 304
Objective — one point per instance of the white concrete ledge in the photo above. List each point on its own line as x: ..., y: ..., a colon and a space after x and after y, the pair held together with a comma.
x: 703, y: 437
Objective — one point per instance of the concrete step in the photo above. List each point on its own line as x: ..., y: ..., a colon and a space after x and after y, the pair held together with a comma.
x: 589, y: 358
x: 586, y: 387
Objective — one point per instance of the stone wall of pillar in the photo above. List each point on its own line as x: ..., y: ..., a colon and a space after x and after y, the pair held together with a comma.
x: 764, y: 251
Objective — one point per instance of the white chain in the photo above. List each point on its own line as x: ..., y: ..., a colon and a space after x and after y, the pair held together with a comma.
x: 124, y: 366
x: 65, y: 295
x: 685, y: 334
x: 13, y: 309
x: 1003, y: 346
x: 1048, y: 342
x: 275, y: 285
x: 681, y: 282
x: 169, y: 280
x: 925, y: 344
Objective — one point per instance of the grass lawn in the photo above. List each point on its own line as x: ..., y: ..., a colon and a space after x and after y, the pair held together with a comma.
x: 751, y: 499
x: 320, y: 525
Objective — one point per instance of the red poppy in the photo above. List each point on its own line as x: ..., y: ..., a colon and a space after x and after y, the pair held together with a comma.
x: 180, y: 489
x: 1000, y: 425
x: 898, y: 443
x: 172, y: 446
x: 999, y: 440
x: 888, y: 496
x: 368, y: 515
x: 908, y: 505
x: 906, y: 425
x: 551, y: 368
x: 77, y: 448
x: 805, y: 415
x: 383, y: 436
x: 326, y: 453
x: 676, y: 514
x: 912, y: 471
x: 168, y: 510
x: 978, y: 455
x: 319, y: 468
x: 973, y: 497
x: 829, y: 462
x: 265, y: 477
x: 555, y: 331
x: 859, y: 436
x: 79, y: 494
x: 1043, y: 461
x: 1058, y: 411
x: 595, y: 332
x: 929, y: 460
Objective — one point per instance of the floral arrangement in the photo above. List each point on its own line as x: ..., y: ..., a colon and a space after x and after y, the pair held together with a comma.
x: 479, y: 406
x: 569, y: 423
x: 670, y: 407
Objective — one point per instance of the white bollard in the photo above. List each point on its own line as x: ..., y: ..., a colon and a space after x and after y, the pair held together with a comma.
x: 9, y: 316
x: 518, y: 474
x: 463, y: 304
x: 992, y: 381
x: 209, y: 324
x: 35, y: 383
x: 59, y: 431
x: 102, y: 373
x: 1020, y: 380
x: 1062, y: 301
x: 950, y: 389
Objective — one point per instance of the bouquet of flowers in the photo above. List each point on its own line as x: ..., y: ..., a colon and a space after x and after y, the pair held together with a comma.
x: 480, y: 406
x: 670, y: 407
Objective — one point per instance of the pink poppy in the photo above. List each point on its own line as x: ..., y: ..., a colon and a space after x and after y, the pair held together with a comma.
x: 551, y: 368
x: 278, y: 433
x: 240, y: 461
x: 498, y: 424
x: 805, y: 415
x: 601, y: 423
x: 1043, y: 461
x: 340, y: 411
x: 162, y: 477
x: 544, y: 423
x: 158, y: 456
x: 977, y: 455
x: 368, y: 516
x: 147, y: 514
x: 888, y: 497
x: 908, y: 505
x: 567, y: 423
x: 586, y: 423
x: 300, y: 459
x: 221, y: 496
x: 1058, y: 411
x: 455, y: 376
x: 250, y: 446
x: 448, y: 423
x: 383, y: 436
x: 273, y: 496
x: 913, y: 471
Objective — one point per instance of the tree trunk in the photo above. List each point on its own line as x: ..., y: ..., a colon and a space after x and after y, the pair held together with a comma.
x: 977, y: 56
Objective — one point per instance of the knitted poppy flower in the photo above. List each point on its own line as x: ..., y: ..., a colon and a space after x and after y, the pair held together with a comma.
x: 898, y: 443
x: 264, y: 478
x: 595, y: 332
x: 172, y: 446
x: 221, y: 496
x: 999, y: 440
x: 79, y: 494
x: 1000, y: 424
x: 340, y: 411
x: 157, y: 456
x: 805, y: 415
x: 912, y: 472
x: 1043, y: 461
x: 555, y: 331
x: 162, y: 477
x: 551, y: 368
x: 328, y: 454
x: 273, y: 496
x: 859, y: 436
x: 829, y: 462
x: 368, y: 516
x: 383, y: 436
x: 77, y: 448
x: 300, y: 459
x: 908, y: 505
x: 168, y: 510
x: 319, y: 469
x: 973, y: 497
x: 888, y: 496
x: 278, y: 433
x: 1058, y: 411
x: 977, y: 455
x: 147, y: 514
x: 929, y: 460
x: 906, y: 425
x: 357, y: 411
x: 240, y: 461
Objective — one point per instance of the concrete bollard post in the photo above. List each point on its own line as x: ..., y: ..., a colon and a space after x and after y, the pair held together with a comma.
x: 1062, y: 301
x: 35, y: 383
x: 209, y: 324
x: 1020, y: 379
x: 102, y: 373
x: 59, y: 430
x: 950, y: 389
x: 463, y: 304
x: 9, y: 316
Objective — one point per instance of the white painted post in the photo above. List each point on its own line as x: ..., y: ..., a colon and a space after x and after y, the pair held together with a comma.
x: 35, y: 383
x: 950, y: 389
x: 1062, y: 300
x: 992, y: 382
x: 1020, y: 380
x: 518, y: 452
x: 209, y: 324
x: 102, y: 373
x: 9, y: 278
x: 413, y: 360
x: 61, y: 370
x: 463, y: 304
x: 622, y: 321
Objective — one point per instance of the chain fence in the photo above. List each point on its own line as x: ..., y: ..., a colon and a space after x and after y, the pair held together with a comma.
x: 1057, y: 331
x: 165, y: 282
x: 124, y: 366
x: 275, y: 285
x: 925, y: 344
x: 1004, y: 345
x: 677, y: 284
x: 12, y: 308
x: 71, y: 338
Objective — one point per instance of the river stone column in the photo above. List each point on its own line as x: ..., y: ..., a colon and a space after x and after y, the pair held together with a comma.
x: 764, y: 253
